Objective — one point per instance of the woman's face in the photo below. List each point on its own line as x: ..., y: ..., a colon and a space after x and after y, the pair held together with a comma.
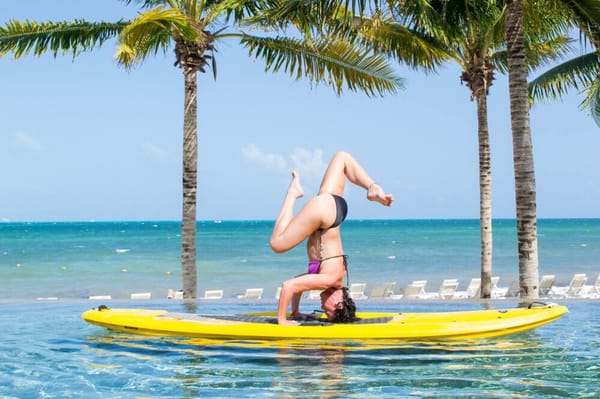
x: 332, y: 299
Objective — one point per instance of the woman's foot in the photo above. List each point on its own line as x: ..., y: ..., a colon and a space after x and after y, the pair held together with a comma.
x: 295, y: 189
x: 376, y: 193
x: 287, y: 322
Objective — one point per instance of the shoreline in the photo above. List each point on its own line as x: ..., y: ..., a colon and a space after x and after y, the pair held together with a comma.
x: 6, y: 221
x: 272, y: 300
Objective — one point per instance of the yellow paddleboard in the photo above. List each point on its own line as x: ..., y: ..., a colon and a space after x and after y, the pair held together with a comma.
x: 425, y: 326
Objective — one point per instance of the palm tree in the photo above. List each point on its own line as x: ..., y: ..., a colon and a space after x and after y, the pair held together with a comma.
x: 471, y: 33
x: 581, y: 73
x: 194, y: 28
x: 525, y: 189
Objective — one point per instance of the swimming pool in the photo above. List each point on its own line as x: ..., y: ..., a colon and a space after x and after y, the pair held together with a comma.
x: 47, y: 350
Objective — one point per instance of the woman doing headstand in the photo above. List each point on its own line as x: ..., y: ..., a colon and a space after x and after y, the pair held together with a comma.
x: 319, y: 221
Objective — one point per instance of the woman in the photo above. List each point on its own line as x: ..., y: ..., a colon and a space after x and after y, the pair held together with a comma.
x: 319, y: 221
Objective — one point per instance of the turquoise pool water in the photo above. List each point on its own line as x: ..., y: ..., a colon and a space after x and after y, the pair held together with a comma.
x: 48, y: 351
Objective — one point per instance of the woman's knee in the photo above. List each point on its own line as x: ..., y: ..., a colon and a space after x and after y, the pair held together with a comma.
x: 276, y: 246
x: 279, y: 245
x: 340, y: 158
x: 289, y: 286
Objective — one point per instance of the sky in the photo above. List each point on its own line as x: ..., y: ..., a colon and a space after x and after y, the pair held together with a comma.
x: 85, y: 139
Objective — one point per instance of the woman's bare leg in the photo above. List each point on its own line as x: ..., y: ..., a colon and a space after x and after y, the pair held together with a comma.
x: 285, y: 297
x: 286, y: 213
x: 296, y: 304
x: 342, y: 166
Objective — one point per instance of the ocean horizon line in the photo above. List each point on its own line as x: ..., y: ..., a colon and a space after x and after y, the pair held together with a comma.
x: 217, y: 220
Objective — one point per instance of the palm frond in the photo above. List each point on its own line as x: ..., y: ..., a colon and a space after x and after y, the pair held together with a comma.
x: 236, y: 9
x: 541, y: 52
x: 331, y: 61
x: 587, y: 13
x: 305, y: 15
x: 538, y: 54
x: 150, y: 32
x: 23, y: 38
x: 411, y: 47
x: 593, y: 101
x: 154, y: 3
x: 545, y: 19
x: 577, y: 73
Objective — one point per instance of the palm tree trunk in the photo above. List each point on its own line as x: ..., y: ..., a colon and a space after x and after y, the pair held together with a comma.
x: 190, y: 172
x: 485, y: 196
x: 525, y: 189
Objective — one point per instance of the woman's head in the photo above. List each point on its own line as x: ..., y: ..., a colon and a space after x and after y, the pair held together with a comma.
x: 338, y: 306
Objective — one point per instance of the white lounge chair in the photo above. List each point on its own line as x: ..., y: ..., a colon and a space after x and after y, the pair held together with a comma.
x: 415, y: 290
x: 447, y: 288
x: 546, y: 284
x: 357, y: 291
x: 141, y: 295
x: 573, y: 289
x: 314, y: 295
x: 576, y: 284
x: 251, y: 293
x: 99, y: 297
x: 592, y: 291
x: 383, y: 290
x: 497, y: 292
x: 212, y: 294
x: 596, y: 287
x: 514, y: 290
x: 174, y: 294
x: 47, y: 298
x: 472, y: 290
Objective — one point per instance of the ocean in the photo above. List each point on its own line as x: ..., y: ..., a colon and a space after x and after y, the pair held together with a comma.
x: 76, y: 260
x: 48, y: 351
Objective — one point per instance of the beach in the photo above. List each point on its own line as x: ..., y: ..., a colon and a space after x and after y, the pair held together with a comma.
x: 49, y: 271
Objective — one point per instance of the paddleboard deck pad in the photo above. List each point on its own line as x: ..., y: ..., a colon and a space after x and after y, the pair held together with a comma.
x: 423, y: 326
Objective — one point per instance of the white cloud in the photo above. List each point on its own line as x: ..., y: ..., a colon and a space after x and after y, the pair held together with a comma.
x: 28, y: 142
x: 270, y: 161
x: 156, y: 152
x: 308, y: 163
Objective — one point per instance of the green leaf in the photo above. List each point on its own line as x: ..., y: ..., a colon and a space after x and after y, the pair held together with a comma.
x: 576, y: 73
x: 326, y: 61
x: 23, y: 38
x: 150, y: 32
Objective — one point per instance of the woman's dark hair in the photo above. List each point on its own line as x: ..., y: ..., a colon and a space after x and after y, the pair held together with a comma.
x: 346, y: 312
